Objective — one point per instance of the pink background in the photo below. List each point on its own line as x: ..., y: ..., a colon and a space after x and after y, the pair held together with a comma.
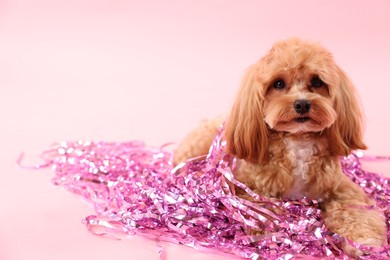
x: 119, y: 70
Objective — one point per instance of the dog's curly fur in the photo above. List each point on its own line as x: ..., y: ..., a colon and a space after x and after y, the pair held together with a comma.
x: 295, y: 113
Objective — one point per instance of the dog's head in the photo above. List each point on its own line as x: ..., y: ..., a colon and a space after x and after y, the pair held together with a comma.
x: 296, y: 88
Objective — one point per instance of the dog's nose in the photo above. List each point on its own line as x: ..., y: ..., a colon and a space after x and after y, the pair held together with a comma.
x: 302, y: 106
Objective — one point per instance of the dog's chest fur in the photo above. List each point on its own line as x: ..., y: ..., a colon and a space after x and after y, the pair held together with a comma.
x: 300, y: 153
x: 295, y: 161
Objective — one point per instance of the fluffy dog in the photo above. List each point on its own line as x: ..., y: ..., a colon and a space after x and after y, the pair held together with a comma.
x: 295, y: 113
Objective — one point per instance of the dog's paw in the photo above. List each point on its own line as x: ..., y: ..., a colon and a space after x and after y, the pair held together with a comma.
x: 352, y: 251
x: 367, y: 244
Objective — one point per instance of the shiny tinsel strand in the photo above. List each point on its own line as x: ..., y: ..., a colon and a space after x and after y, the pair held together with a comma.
x: 135, y: 190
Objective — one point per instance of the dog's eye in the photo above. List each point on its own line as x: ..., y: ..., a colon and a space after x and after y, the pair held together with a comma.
x: 316, y: 82
x: 279, y: 84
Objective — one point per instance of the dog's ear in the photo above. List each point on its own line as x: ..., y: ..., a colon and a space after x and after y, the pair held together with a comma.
x: 346, y: 134
x: 246, y: 132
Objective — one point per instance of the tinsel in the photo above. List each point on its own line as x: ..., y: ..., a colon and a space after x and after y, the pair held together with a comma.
x: 135, y: 189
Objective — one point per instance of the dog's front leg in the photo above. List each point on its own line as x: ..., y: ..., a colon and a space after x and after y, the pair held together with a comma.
x: 350, y: 213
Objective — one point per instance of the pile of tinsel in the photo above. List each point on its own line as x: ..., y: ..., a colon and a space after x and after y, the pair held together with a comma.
x: 135, y: 190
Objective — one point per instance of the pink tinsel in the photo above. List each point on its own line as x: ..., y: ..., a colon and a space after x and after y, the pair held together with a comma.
x: 135, y: 190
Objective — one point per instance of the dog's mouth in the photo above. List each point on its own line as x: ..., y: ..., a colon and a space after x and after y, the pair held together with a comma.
x: 305, y: 123
x: 302, y: 119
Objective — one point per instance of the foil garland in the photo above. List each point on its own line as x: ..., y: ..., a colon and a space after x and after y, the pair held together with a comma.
x: 134, y: 189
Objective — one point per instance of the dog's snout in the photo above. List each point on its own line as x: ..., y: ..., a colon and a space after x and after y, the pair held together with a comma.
x: 302, y: 106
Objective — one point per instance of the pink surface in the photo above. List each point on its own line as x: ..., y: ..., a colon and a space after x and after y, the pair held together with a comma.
x: 147, y: 70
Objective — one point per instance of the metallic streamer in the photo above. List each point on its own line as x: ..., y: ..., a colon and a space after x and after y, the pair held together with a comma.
x: 134, y: 189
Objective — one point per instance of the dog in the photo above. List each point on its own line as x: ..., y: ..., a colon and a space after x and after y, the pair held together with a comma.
x: 295, y: 114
